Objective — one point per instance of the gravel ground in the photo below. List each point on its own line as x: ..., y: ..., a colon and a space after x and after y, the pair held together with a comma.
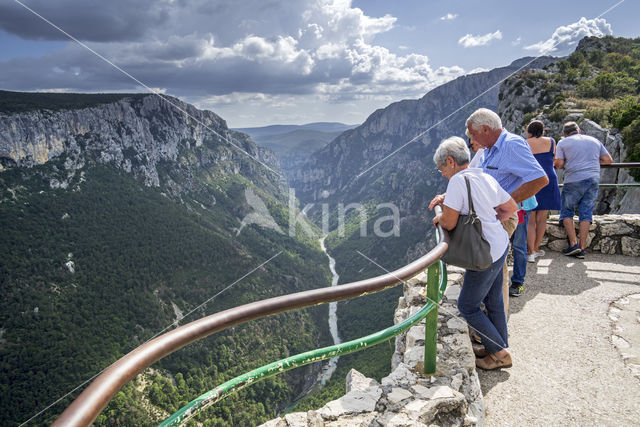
x: 566, y: 371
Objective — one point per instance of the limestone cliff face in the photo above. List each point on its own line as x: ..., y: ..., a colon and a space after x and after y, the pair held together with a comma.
x: 440, y: 113
x: 136, y: 133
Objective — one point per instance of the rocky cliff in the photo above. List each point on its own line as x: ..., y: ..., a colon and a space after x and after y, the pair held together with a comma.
x: 135, y: 133
x: 440, y: 113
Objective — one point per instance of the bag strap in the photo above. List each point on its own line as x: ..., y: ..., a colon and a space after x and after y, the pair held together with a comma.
x: 472, y: 211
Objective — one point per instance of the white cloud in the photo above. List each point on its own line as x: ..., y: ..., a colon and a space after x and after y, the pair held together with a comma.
x: 276, y: 47
x: 478, y: 70
x: 565, y: 37
x: 517, y: 41
x: 219, y: 53
x: 474, y: 41
x: 449, y: 17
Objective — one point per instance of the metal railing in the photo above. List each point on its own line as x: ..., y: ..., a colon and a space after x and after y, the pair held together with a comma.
x: 628, y: 165
x: 88, y: 405
x: 435, y: 290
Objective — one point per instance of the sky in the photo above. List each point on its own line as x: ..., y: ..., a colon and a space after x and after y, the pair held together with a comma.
x: 263, y: 62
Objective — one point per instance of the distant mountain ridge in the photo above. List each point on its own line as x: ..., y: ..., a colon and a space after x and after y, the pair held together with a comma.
x: 293, y: 144
x: 282, y: 129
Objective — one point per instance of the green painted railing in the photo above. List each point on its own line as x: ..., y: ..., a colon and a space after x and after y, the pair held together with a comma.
x: 435, y: 290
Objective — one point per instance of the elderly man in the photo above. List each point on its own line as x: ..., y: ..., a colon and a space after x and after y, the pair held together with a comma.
x: 508, y: 158
x: 581, y: 157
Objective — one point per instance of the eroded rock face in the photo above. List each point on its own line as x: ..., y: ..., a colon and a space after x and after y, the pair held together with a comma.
x: 136, y: 134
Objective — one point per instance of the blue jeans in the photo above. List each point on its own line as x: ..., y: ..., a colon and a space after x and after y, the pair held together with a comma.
x: 519, y: 246
x: 485, y: 286
x: 581, y: 194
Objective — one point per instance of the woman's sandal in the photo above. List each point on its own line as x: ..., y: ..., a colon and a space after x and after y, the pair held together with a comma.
x: 492, y: 362
x: 479, y: 350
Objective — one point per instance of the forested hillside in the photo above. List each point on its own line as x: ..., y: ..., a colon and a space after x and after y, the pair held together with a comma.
x: 95, y: 263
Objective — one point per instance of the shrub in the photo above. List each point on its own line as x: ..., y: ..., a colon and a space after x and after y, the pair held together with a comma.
x: 626, y: 111
x: 563, y: 65
x: 576, y: 59
x: 596, y: 58
x: 527, y: 118
x: 631, y: 138
x: 619, y: 63
x: 598, y: 115
x: 557, y: 115
x: 572, y: 75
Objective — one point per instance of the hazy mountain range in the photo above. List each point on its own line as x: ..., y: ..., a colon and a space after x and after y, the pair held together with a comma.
x: 292, y: 144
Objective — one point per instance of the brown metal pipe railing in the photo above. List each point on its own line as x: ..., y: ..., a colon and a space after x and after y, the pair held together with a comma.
x: 97, y: 395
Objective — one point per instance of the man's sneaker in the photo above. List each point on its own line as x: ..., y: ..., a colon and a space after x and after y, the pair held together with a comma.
x: 516, y: 289
x: 531, y: 258
x: 580, y: 254
x: 572, y: 250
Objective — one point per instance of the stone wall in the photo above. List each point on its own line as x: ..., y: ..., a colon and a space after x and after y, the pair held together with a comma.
x: 406, y: 397
x: 609, y: 234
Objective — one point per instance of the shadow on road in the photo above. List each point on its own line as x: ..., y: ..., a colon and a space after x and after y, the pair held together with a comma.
x: 556, y: 274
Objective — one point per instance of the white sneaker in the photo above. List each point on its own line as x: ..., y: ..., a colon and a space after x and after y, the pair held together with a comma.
x: 540, y: 253
x: 531, y: 258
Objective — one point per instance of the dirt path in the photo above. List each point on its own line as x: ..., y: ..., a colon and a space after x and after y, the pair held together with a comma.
x: 566, y: 370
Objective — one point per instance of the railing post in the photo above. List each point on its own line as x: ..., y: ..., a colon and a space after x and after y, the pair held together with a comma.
x: 431, y: 321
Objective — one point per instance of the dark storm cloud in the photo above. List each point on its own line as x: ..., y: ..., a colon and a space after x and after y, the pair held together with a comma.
x: 103, y: 21
x: 215, y: 48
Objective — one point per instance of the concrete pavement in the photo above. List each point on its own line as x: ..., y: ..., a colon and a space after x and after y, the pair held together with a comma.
x: 567, y: 370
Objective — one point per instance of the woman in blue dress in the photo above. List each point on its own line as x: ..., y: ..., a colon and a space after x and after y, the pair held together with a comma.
x: 548, y: 198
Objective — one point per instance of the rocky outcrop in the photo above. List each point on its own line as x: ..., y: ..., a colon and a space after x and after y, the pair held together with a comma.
x: 406, y: 397
x: 609, y: 234
x: 136, y: 133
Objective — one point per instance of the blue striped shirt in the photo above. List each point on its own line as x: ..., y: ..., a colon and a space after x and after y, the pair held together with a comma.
x: 511, y: 162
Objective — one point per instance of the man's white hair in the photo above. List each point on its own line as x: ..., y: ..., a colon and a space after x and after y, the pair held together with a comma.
x: 484, y: 117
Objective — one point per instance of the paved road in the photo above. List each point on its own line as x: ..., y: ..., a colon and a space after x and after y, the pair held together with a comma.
x: 566, y: 370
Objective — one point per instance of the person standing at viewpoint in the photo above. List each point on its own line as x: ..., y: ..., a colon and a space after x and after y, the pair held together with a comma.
x: 508, y: 158
x: 580, y: 156
x: 544, y: 150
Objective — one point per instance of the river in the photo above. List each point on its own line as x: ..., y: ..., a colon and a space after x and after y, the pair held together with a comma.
x: 330, y: 367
